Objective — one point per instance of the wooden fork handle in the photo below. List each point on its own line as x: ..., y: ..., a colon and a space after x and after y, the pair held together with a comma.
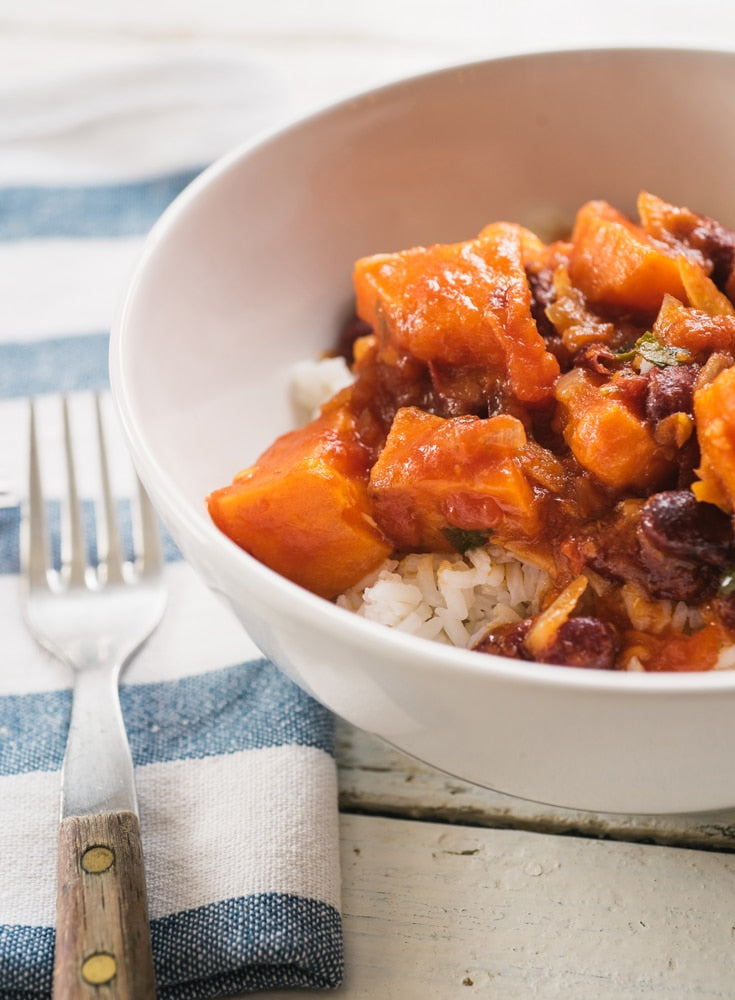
x: 103, y: 944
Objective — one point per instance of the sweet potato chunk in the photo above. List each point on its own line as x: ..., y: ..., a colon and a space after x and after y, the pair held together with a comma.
x: 701, y: 239
x: 606, y: 437
x: 702, y: 292
x: 614, y: 262
x: 303, y: 509
x: 694, y: 330
x: 714, y: 412
x: 463, y: 304
x: 462, y: 473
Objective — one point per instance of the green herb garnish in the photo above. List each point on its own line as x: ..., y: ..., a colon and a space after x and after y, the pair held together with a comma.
x: 463, y: 539
x: 656, y: 353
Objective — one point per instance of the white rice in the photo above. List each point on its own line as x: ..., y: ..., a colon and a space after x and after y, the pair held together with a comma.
x: 454, y: 599
x: 314, y: 382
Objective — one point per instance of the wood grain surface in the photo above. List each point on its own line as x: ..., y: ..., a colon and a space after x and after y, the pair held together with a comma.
x: 378, y: 779
x: 437, y: 911
x: 103, y: 948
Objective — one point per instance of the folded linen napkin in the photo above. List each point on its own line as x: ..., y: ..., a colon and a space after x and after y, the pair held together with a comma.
x: 234, y: 764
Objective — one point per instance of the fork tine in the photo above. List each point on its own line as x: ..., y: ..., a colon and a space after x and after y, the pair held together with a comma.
x: 34, y: 542
x: 73, y: 547
x: 148, y: 554
x: 108, y: 536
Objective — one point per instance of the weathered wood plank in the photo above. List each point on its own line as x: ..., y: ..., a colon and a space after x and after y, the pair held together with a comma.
x: 439, y: 911
x: 376, y: 778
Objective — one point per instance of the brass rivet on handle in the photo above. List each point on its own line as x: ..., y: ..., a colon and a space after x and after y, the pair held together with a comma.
x: 99, y: 968
x: 97, y: 859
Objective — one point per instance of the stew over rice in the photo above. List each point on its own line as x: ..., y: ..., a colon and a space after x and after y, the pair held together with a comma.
x: 571, y: 402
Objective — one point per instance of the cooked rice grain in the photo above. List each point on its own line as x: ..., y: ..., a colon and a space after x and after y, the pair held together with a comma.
x: 451, y: 598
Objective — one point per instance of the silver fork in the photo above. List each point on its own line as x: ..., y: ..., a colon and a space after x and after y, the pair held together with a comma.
x: 94, y: 618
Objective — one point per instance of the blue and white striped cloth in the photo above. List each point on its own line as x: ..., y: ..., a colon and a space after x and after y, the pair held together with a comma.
x: 235, y: 765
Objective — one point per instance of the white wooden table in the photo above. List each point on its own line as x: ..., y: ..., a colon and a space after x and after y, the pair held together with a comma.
x: 451, y: 891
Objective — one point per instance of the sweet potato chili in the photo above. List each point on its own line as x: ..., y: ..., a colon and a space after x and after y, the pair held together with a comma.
x: 572, y: 401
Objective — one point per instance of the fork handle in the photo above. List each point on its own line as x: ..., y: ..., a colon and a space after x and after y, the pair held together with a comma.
x: 103, y: 943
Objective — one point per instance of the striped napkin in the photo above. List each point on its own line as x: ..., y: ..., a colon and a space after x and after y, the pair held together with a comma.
x: 235, y: 765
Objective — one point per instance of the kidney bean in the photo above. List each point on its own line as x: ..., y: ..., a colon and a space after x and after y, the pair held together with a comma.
x: 351, y: 330
x: 541, y: 283
x: 668, y: 578
x: 506, y: 640
x: 579, y: 642
x: 716, y: 243
x: 670, y: 390
x: 678, y: 525
x: 583, y: 642
x: 655, y: 556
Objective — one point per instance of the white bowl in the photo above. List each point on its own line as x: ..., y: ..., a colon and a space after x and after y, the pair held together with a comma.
x: 250, y: 271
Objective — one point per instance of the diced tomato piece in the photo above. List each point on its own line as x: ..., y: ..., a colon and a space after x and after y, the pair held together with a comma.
x: 698, y: 651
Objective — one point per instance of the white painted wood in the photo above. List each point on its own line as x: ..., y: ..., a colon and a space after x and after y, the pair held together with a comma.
x: 376, y: 778
x: 435, y: 911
